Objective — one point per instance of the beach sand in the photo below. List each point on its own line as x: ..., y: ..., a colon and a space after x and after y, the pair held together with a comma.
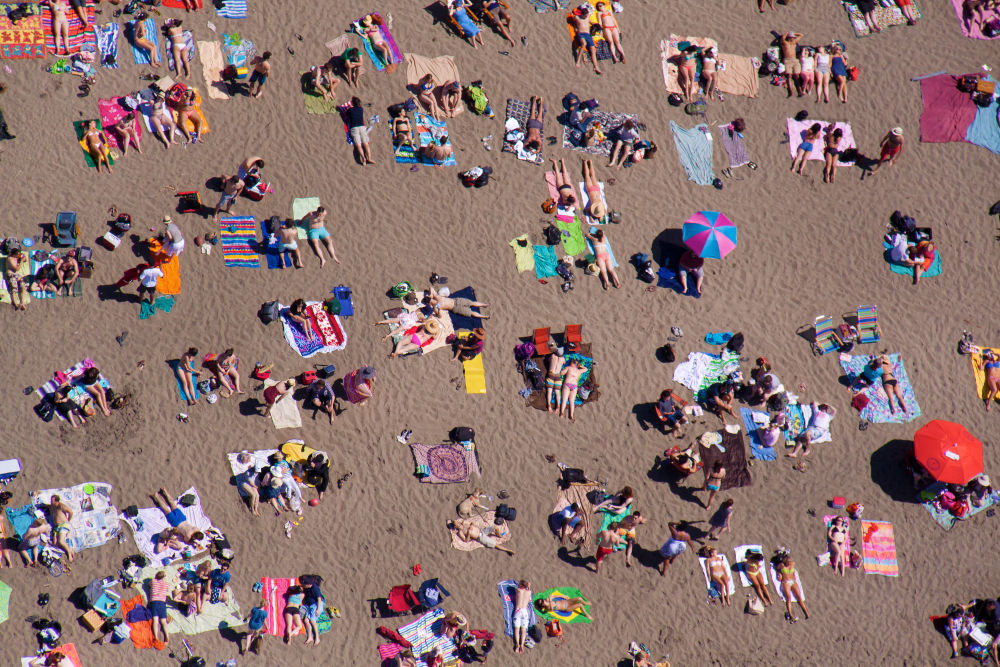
x: 805, y: 249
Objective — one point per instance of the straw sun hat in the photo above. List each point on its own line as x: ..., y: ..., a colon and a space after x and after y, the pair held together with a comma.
x: 433, y: 327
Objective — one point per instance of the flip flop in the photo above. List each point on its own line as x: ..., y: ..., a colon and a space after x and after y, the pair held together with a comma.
x: 752, y: 165
x: 290, y: 50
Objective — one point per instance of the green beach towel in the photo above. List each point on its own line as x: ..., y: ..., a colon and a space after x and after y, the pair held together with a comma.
x: 315, y: 103
x: 78, y: 126
x: 524, y: 255
x: 608, y: 517
x: 575, y: 243
x: 5, y: 591
x: 300, y: 207
x: 563, y: 592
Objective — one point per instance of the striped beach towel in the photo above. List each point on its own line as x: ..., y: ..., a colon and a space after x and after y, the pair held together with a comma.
x: 79, y: 37
x: 107, y: 44
x: 239, y: 242
x: 507, y: 589
x: 877, y: 410
x: 233, y: 9
x: 430, y: 131
x: 426, y: 634
x: 36, y: 266
x: 275, y: 603
x: 878, y: 548
x: 142, y: 56
x: 188, y: 46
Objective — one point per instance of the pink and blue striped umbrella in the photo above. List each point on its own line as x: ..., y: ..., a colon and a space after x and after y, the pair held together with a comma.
x: 710, y: 234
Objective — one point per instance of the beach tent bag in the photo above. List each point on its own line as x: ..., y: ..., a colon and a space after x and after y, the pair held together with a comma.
x: 269, y: 312
x: 463, y: 434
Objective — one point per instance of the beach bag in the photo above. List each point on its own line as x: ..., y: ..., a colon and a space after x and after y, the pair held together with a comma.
x: 524, y: 350
x: 506, y: 512
x: 463, y: 434
x: 478, y: 98
x: 273, y: 225
x: 965, y: 345
x: 536, y: 378
x: 778, y: 80
x: 535, y: 633
x: 268, y: 312
x: 554, y: 629
x: 552, y: 235
x: 401, y: 289
x: 8, y: 245
x: 573, y: 476
x: 755, y: 606
x: 46, y: 410
x: 549, y: 206
x: 735, y: 343
x: 852, y: 73
x: 696, y: 108
x: 675, y: 100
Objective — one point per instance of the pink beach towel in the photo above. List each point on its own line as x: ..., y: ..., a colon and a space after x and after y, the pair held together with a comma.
x: 797, y: 131
x: 878, y: 544
x: 562, y: 213
x: 948, y: 112
x: 976, y: 31
x: 111, y: 112
x: 274, y: 594
x: 847, y: 552
x: 388, y: 651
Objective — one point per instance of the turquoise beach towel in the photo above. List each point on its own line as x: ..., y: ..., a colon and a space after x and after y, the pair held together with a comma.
x: 694, y: 148
x: 607, y: 244
x: 142, y: 56
x: 904, y: 270
x: 877, y: 410
x: 985, y: 129
x: 545, y: 261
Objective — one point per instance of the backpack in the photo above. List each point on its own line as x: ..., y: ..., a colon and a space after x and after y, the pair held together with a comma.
x: 8, y: 245
x: 524, y: 351
x: 484, y: 178
x: 549, y: 206
x: 695, y: 108
x: 554, y: 629
x: 573, y: 476
x: 735, y: 343
x: 965, y: 345
x: 552, y: 235
x: 536, y: 378
x: 46, y: 410
x: 506, y: 512
x: 535, y: 633
x: 269, y: 312
x: 478, y: 98
x: 463, y: 434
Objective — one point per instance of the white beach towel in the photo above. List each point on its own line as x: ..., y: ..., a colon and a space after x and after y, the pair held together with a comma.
x: 95, y: 519
x: 586, y: 203
x: 691, y: 372
x: 708, y: 580
x: 741, y: 560
x: 777, y: 584
x: 154, y: 522
x: 285, y: 413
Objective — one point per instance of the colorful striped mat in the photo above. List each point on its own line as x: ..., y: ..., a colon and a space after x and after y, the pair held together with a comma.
x: 878, y: 546
x: 426, y: 634
x: 239, y: 242
x: 78, y: 35
x: 233, y: 9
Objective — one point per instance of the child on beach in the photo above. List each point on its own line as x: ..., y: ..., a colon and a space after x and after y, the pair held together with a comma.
x: 255, y: 624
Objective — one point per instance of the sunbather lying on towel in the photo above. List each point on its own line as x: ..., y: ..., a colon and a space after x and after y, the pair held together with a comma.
x: 406, y: 320
x: 324, y: 82
x: 584, y: 41
x: 571, y: 385
x: 402, y: 130
x: 596, y: 210
x: 181, y: 533
x: 51, y: 659
x: 31, y: 541
x: 370, y: 28
x: 536, y: 116
x: 819, y: 425
x: 564, y: 186
x: 489, y: 537
x: 459, y: 306
x: 97, y: 145
x: 469, y: 348
x: 417, y: 337
x: 837, y: 541
x: 60, y: 514
x: 603, y: 259
x: 553, y: 604
x: 188, y: 111
x: 718, y: 572
x: 226, y: 368
x: 991, y: 368
x: 880, y: 369
x: 785, y: 569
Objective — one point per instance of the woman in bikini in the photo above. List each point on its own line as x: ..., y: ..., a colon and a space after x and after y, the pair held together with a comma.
x: 370, y: 28
x: 97, y: 145
x: 713, y: 482
x: 324, y: 82
x: 718, y: 572
x: 564, y: 186
x: 752, y: 569
x: 831, y: 153
x: 162, y: 120
x: 709, y: 70
x: 837, y: 543
x: 127, y: 134
x: 822, y: 74
x: 603, y: 259
x: 805, y: 148
x: 596, y: 211
x: 536, y: 114
x: 293, y: 616
x: 402, y: 131
x: 609, y: 28
x: 425, y: 95
x: 552, y: 603
x: 686, y: 71
x: 141, y: 39
x: 188, y: 111
x: 789, y: 586
x: 227, y: 372
x: 187, y: 374
x: 60, y: 24
x: 990, y: 365
x: 91, y: 383
x: 890, y: 385
x: 178, y: 46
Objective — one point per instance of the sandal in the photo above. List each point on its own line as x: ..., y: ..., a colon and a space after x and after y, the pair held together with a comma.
x: 752, y: 165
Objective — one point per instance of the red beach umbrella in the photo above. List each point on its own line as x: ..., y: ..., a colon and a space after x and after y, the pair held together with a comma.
x: 949, y: 452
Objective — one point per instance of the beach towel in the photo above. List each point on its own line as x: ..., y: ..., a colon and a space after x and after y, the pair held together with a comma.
x: 713, y: 587
x: 162, y: 303
x: 703, y: 369
x: 946, y: 519
x: 735, y: 147
x: 426, y: 634
x: 797, y: 133
x: 978, y: 373
x: 741, y: 562
x: 271, y: 254
x: 285, y: 413
x: 985, y: 130
x: 80, y: 38
x: 177, y: 4
x: 111, y: 112
x: 823, y: 558
x: 258, y: 460
x: 443, y: 68
x: 25, y: 270
x: 77, y: 393
x: 519, y: 110
x: 233, y: 9
x: 564, y: 213
x: 141, y: 630
x: 430, y: 131
x: 174, y: 366
x: 607, y: 245
x: 885, y: 17
x: 397, y: 55
x: 21, y: 518
x: 315, y: 102
x: 877, y: 410
x: 212, y: 64
x: 798, y: 420
x: 975, y: 31
x: 36, y: 266
x: 574, y: 242
x: 777, y: 583
x: 24, y: 40
x: 902, y: 269
x: 189, y: 124
x: 586, y: 361
x: 542, y: 6
x: 585, y: 200
x: 878, y: 548
x: 576, y: 493
x: 151, y: 521
x: 170, y: 281
x: 545, y: 261
x: 524, y: 255
x: 508, y: 590
x: 107, y: 44
x: 5, y: 592
x: 564, y: 593
x: 448, y: 463
x: 461, y: 322
x: 734, y: 460
x: 95, y: 519
x: 694, y: 148
x: 188, y: 47
x: 475, y: 373
x: 300, y: 207
x: 238, y: 237
x: 214, y: 616
x: 404, y: 151
x: 339, y: 44
x: 735, y: 74
x: 610, y: 122
x: 78, y: 125
x: 142, y: 56
x: 753, y: 421
x: 68, y: 650
x: 330, y: 339
x: 481, y: 521
x: 948, y: 113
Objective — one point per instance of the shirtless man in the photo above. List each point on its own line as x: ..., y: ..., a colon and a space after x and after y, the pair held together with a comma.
x: 793, y: 67
x: 231, y: 189
x: 571, y: 378
x: 718, y: 573
x: 607, y: 540
x: 522, y: 613
x: 553, y: 379
x: 489, y: 537
x: 261, y: 70
x: 181, y: 530
x: 437, y: 153
x: 31, y: 541
x: 15, y: 282
x: 61, y: 516
x: 97, y: 141
x: 288, y: 241
x: 580, y: 20
x: 459, y: 306
x: 67, y: 271
x: 318, y: 235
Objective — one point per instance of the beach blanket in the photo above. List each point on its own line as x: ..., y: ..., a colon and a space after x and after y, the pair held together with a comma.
x: 545, y: 261
x: 285, y: 413
x: 111, y: 112
x: 934, y: 270
x: 151, y: 521
x: 975, y: 31
x: 586, y: 361
x: 257, y: 461
x: 542, y: 6
x: 339, y: 44
x: 274, y: 590
x: 24, y: 40
x: 576, y: 493
x: 609, y: 516
x: 78, y: 125
x: 713, y: 587
x: 798, y: 420
x: 25, y: 270
x: 564, y: 213
x: 694, y: 148
x: 233, y: 9
x: 703, y: 369
x: 524, y: 255
x: 518, y: 111
x: 315, y: 102
x: 877, y: 410
x: 36, y: 266
x: 238, y: 238
x: 21, y: 518
x: 481, y: 521
x: 885, y: 17
x: 601, y: 46
x: 141, y: 630
x: 426, y: 634
x: 329, y: 334
x: 213, y: 617
x: 170, y: 281
x: 177, y: 4
x: 189, y: 124
x: 753, y: 421
x: 430, y: 131
x: 735, y: 147
x: 174, y: 366
x: 107, y: 44
x: 734, y: 460
x: 610, y: 122
x: 77, y: 393
x: 777, y: 583
x: 300, y: 207
x: 978, y: 373
x: 461, y: 322
x: 5, y: 592
x: 445, y: 464
x: 68, y: 650
x: 741, y: 563
x: 404, y: 151
x: 95, y: 519
x: 736, y: 75
x: 212, y: 64
x: 508, y: 589
x: 573, y: 241
x: 944, y: 518
x: 139, y: 55
x: 948, y: 113
x: 397, y: 55
x: 797, y: 133
x: 985, y: 128
x: 188, y: 47
x: 80, y: 38
x: 443, y: 68
x: 474, y: 371
x: 564, y: 593
x: 823, y: 559
x: 607, y: 245
x: 878, y: 548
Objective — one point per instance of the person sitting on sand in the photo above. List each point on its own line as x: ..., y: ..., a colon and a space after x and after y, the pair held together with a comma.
x: 97, y: 144
x: 691, y: 263
x: 437, y: 153
x: 607, y: 540
x: 686, y: 461
x: 596, y: 211
x: 402, y: 129
x: 61, y: 514
x: 602, y: 257
x: 67, y: 408
x: 359, y: 385
x: 771, y: 433
x: 989, y: 364
x: 458, y: 9
x: 162, y: 120
x: 300, y: 315
x: 275, y: 393
x: 417, y: 337
x: 570, y: 524
x: 453, y: 624
x: 91, y: 383
x: 324, y: 82
x: 319, y: 395
x: 535, y: 125
x: 67, y: 272
x: 670, y: 413
x: 181, y: 530
x: 459, y: 306
x: 15, y: 281
x: 353, y: 67
x: 920, y: 257
x: 785, y: 571
x: 718, y: 398
x: 628, y: 133
x: 218, y: 588
x: 142, y: 41
x: 551, y: 604
x: 805, y: 147
x: 838, y: 543
x: 819, y: 426
x: 468, y: 531
x: 471, y: 347
x: 451, y: 98
x: 718, y: 573
x: 765, y: 382
x: 425, y: 95
x: 553, y: 377
x: 31, y: 541
x: 370, y: 28
x: 571, y: 385
x: 227, y: 372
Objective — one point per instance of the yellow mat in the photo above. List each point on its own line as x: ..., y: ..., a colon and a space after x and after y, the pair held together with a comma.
x: 475, y: 373
x: 599, y: 35
x: 977, y: 370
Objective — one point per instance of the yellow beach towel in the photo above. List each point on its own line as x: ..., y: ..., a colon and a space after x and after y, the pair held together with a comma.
x: 475, y: 373
x: 977, y: 369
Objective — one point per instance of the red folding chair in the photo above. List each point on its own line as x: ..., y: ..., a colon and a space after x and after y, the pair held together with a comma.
x: 541, y: 340
x: 402, y: 600
x: 574, y: 333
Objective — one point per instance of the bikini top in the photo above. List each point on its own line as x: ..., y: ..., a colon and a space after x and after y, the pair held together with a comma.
x: 752, y: 568
x: 787, y: 571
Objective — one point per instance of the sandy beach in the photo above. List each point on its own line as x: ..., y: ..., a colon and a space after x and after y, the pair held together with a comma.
x: 806, y: 248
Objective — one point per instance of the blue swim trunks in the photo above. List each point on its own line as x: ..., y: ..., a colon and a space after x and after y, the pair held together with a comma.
x: 316, y: 233
x: 588, y: 39
x: 176, y: 517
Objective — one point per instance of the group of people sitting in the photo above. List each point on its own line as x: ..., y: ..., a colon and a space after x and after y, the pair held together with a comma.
x: 195, y: 588
x: 626, y: 143
x: 419, y: 322
x: 467, y: 526
x: 973, y: 629
x: 278, y: 482
x: 57, y: 277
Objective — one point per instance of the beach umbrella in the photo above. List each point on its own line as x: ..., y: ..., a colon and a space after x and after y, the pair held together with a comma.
x: 710, y: 234
x: 948, y: 452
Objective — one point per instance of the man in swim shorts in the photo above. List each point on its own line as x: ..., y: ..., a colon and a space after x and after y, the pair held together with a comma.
x: 183, y: 529
x: 288, y: 241
x: 553, y: 377
x: 789, y: 57
x: 584, y: 41
x: 459, y: 306
x: 522, y: 613
x: 61, y: 516
x: 231, y: 189
x: 261, y: 70
x: 607, y: 540
x: 318, y: 235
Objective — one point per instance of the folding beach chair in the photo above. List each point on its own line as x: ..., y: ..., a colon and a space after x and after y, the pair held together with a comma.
x: 432, y: 593
x: 402, y: 600
x: 541, y: 340
x: 67, y: 230
x: 826, y: 339
x: 451, y: 19
x: 573, y: 334
x: 868, y: 329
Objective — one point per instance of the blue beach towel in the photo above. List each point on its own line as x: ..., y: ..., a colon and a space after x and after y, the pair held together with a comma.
x: 21, y: 518
x: 174, y: 364
x: 545, y: 261
x: 694, y: 148
x: 107, y: 44
x: 507, y: 589
x: 718, y: 338
x: 667, y: 277
x: 429, y: 131
x: 271, y: 254
x: 142, y: 56
x: 760, y: 452
x: 460, y: 321
x: 233, y: 9
x: 147, y: 309
x: 877, y: 410
x: 903, y: 270
x: 985, y: 128
x: 607, y: 244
